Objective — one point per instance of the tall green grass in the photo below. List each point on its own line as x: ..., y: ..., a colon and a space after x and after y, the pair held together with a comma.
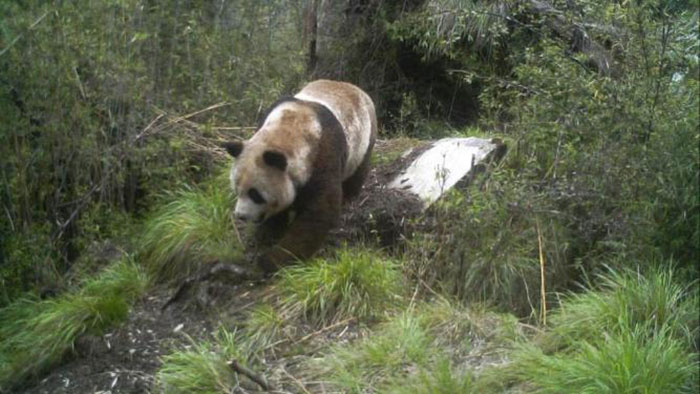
x: 625, y: 301
x: 622, y: 362
x: 357, y: 283
x: 636, y: 333
x: 195, y: 227
x: 38, y: 333
x: 201, y: 367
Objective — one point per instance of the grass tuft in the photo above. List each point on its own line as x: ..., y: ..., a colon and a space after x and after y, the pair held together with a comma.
x: 38, y: 333
x: 195, y: 227
x: 357, y: 284
x: 454, y: 326
x: 625, y: 362
x: 637, y: 333
x: 437, y: 379
x: 399, y: 345
x: 201, y: 367
x: 264, y: 326
x: 626, y: 301
x: 413, y: 350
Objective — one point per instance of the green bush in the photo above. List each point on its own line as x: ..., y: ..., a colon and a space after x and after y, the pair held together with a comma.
x: 484, y: 247
x: 93, y: 125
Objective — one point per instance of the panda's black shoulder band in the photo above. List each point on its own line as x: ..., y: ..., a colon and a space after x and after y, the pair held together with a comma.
x: 332, y: 130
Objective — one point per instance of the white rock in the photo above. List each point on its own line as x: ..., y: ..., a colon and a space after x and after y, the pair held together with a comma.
x: 440, y: 167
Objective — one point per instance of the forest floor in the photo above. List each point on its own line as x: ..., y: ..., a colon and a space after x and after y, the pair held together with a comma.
x: 125, y: 359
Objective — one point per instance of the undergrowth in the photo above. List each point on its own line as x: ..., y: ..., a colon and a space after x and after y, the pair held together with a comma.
x: 637, y: 333
x: 38, y: 333
x: 415, y: 348
x: 655, y: 301
x: 483, y: 247
x: 194, y: 227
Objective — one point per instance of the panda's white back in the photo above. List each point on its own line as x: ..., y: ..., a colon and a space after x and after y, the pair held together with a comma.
x: 354, y: 110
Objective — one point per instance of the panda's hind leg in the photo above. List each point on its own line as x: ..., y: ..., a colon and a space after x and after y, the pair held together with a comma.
x: 353, y: 185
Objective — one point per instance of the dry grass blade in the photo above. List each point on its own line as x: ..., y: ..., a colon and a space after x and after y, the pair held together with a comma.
x: 543, y: 290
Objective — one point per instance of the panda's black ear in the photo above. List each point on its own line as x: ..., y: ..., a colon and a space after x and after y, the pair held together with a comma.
x: 275, y: 159
x: 234, y: 148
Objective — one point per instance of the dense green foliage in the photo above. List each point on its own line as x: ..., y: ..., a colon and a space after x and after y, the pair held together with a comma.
x: 603, y: 164
x: 81, y: 87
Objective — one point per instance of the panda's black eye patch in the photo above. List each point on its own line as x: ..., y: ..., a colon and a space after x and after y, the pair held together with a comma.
x: 255, y: 195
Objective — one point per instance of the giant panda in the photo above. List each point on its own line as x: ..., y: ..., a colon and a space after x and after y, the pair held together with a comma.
x: 311, y: 152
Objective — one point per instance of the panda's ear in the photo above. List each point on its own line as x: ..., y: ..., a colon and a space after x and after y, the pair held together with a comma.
x: 234, y: 148
x: 275, y: 159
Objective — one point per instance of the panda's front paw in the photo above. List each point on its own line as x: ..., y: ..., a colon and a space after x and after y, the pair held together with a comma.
x: 270, y: 262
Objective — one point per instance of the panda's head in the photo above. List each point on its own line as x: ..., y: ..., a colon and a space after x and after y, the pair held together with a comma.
x: 261, y: 181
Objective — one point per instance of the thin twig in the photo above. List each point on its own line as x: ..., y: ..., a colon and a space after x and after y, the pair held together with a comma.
x: 209, y: 108
x: 243, y: 370
x: 31, y: 27
x: 148, y: 127
x: 311, y: 335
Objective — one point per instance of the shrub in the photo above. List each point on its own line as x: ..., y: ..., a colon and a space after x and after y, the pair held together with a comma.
x: 484, y: 247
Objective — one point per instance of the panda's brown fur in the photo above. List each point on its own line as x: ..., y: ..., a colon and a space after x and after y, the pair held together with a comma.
x: 311, y: 152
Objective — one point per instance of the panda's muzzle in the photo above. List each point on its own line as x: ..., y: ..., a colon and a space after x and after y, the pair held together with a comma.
x: 245, y: 218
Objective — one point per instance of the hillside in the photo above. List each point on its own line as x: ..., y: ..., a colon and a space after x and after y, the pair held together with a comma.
x: 566, y: 264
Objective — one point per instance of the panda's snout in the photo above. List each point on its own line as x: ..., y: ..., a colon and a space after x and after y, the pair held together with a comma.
x: 245, y: 217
